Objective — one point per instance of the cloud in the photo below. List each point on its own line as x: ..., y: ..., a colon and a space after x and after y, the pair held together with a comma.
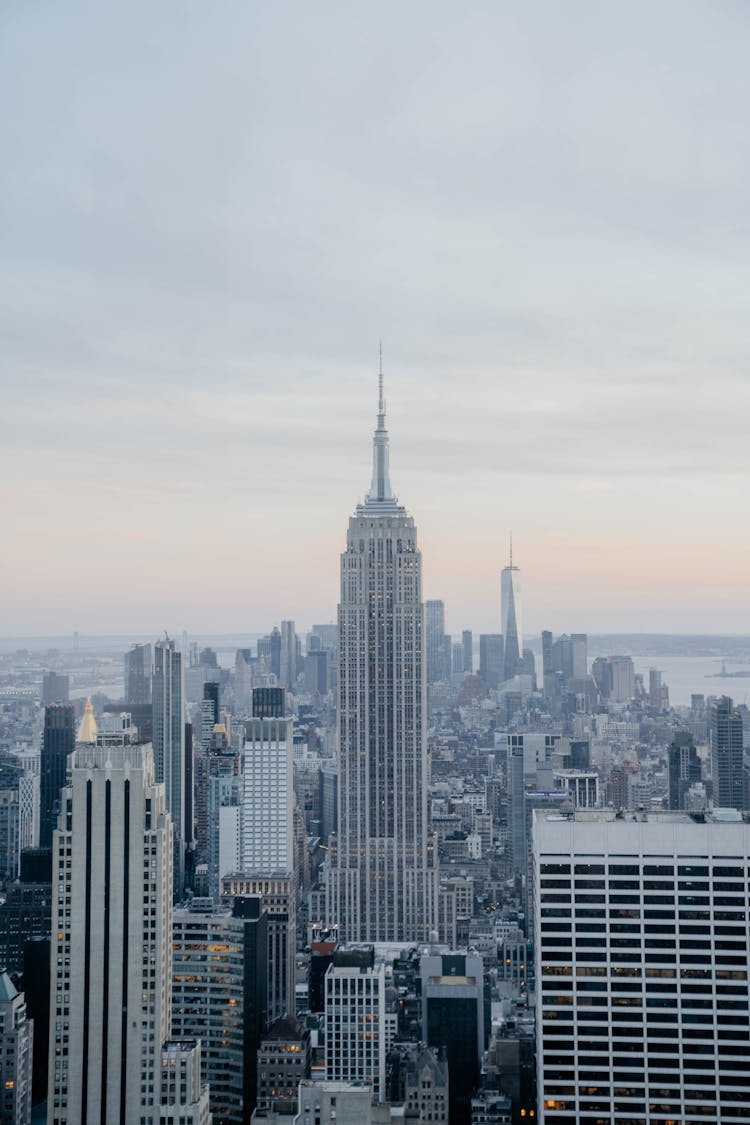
x: 210, y: 218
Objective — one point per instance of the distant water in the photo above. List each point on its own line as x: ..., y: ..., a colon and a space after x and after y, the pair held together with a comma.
x: 689, y: 675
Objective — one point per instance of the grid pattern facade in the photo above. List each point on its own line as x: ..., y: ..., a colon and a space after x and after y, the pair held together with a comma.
x: 383, y: 867
x: 641, y: 945
x: 208, y: 995
x: 355, y: 1026
x: 268, y: 796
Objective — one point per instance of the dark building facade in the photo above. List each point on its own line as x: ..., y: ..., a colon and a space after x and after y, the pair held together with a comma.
x: 453, y: 1018
x: 269, y: 703
x: 684, y: 768
x: 211, y: 695
x: 138, y: 674
x: 283, y: 1061
x: 58, y: 741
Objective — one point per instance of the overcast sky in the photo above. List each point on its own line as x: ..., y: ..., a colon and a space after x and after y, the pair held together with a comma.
x: 211, y: 212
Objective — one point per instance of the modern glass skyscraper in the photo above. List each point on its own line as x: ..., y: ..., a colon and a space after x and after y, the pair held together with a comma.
x: 58, y: 742
x: 510, y: 609
x: 383, y: 871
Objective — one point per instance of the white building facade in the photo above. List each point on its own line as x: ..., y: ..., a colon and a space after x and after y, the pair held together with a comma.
x: 641, y: 947
x: 111, y: 940
x: 355, y: 1020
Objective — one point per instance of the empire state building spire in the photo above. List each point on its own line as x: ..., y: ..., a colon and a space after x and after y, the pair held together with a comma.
x: 382, y: 882
x: 380, y: 489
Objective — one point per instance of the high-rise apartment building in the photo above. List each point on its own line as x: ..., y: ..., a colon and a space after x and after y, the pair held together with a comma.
x: 510, y: 612
x: 168, y: 689
x: 58, y: 742
x: 641, y: 946
x: 383, y: 875
x: 111, y: 940
x: 267, y: 834
x: 725, y: 749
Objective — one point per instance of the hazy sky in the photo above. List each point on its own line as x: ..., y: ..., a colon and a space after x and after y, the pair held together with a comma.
x: 211, y: 212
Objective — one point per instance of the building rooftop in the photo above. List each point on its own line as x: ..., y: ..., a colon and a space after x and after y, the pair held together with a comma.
x: 643, y: 816
x: 8, y: 990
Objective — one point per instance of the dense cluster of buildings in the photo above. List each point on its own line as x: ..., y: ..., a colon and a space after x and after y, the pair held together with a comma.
x: 375, y: 873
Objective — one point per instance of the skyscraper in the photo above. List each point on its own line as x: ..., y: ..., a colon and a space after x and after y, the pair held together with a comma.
x: 640, y: 941
x: 58, y: 741
x: 491, y: 658
x: 137, y: 664
x: 684, y: 768
x: 55, y: 688
x: 355, y: 1018
x: 434, y: 637
x: 467, y: 641
x: 288, y: 655
x: 257, y: 836
x: 169, y: 743
x: 112, y: 934
x: 510, y: 610
x: 383, y: 872
x: 725, y: 747
x: 220, y: 993
x: 453, y: 1017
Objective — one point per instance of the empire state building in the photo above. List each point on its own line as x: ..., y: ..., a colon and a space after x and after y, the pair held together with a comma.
x: 383, y: 877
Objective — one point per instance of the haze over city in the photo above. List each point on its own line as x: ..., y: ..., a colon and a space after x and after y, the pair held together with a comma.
x: 212, y: 217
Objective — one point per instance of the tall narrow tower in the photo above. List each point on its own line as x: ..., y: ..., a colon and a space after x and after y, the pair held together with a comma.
x: 510, y: 609
x: 111, y: 939
x: 383, y: 871
x: 169, y: 745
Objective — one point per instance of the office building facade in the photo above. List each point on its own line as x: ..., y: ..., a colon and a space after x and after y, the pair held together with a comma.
x: 355, y: 1019
x: 219, y: 994
x: 641, y: 947
x: 453, y: 1020
x: 58, y: 742
x: 112, y: 934
x: 726, y: 754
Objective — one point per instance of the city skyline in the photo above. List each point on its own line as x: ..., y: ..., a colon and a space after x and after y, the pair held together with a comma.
x: 543, y: 217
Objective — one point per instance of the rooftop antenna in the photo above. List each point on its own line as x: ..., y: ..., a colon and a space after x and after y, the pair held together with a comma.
x: 511, y: 550
x: 381, y: 403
